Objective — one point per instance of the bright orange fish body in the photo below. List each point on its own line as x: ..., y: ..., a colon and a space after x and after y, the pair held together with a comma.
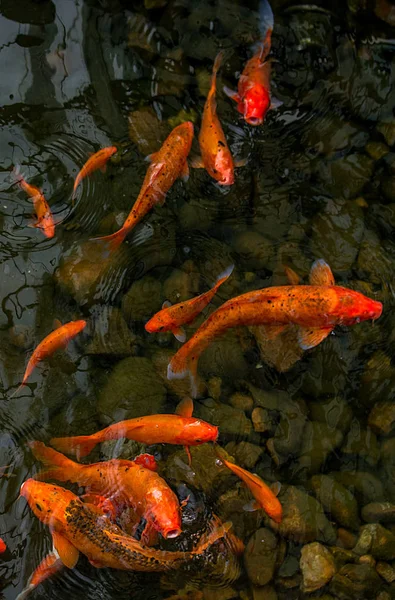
x: 3, y: 546
x: 216, y: 155
x: 45, y: 220
x: 54, y: 341
x: 315, y: 308
x: 96, y: 161
x: 124, y: 482
x: 152, y: 429
x: 171, y: 318
x: 77, y: 527
x: 169, y: 163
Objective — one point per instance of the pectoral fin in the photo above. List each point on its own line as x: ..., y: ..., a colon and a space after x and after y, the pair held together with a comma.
x: 151, y: 157
x: 292, y: 277
x: 321, y: 274
x: 166, y: 304
x: 185, y: 172
x: 271, y: 331
x: 185, y: 407
x: 197, y: 162
x: 276, y: 488
x: 56, y: 323
x: 68, y: 553
x: 309, y: 337
x: 179, y: 334
x: 275, y: 103
x: 232, y: 94
x: 242, y: 162
x: 103, y: 169
x: 252, y: 506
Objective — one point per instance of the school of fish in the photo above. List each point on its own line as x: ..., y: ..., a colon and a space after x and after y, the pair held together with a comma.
x: 89, y: 524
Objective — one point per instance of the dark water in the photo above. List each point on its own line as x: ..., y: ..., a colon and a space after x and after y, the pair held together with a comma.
x: 319, y: 183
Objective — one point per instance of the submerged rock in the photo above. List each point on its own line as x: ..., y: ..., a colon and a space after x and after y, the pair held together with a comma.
x: 246, y: 455
x: 366, y: 487
x: 377, y: 540
x: 260, y: 556
x: 317, y: 565
x: 335, y: 412
x: 111, y: 335
x: 224, y: 358
x: 231, y: 507
x: 382, y: 418
x: 362, y: 443
x: 379, y: 512
x: 338, y: 502
x: 255, y: 251
x: 359, y: 582
x: 318, y: 441
x: 231, y: 421
x: 143, y: 299
x: 145, y: 130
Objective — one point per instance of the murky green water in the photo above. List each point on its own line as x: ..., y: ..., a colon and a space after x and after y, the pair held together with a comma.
x: 319, y: 182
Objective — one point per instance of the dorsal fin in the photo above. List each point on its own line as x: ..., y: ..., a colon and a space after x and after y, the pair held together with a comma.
x: 292, y: 276
x: 57, y: 323
x: 166, y: 304
x: 185, y: 407
x: 321, y: 274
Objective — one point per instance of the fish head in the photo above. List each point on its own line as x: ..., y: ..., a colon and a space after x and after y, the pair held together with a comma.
x: 164, y: 512
x: 223, y: 166
x: 45, y: 499
x: 199, y: 432
x: 162, y: 321
x: 76, y: 327
x: 355, y: 307
x: 256, y: 103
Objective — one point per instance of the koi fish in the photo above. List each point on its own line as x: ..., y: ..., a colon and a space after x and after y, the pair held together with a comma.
x: 169, y: 163
x: 126, y: 483
x: 151, y: 429
x: 98, y: 160
x: 57, y: 339
x: 265, y: 496
x: 77, y: 527
x: 49, y: 565
x: 216, y: 157
x: 316, y: 308
x: 3, y: 546
x: 253, y: 92
x: 45, y: 220
x: 171, y: 318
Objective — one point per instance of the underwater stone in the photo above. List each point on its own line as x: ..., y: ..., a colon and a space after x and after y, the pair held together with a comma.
x: 180, y: 286
x: 366, y: 487
x: 262, y: 421
x: 362, y: 443
x: 267, y: 592
x: 143, y: 299
x: 386, y: 571
x: 132, y: 390
x: 346, y: 176
x: 318, y: 441
x: 382, y: 541
x: 260, y: 556
x: 317, y: 566
x: 246, y: 454
x: 355, y: 582
x: 335, y: 412
x: 231, y: 508
x: 255, y: 251
x: 346, y: 539
x: 241, y: 401
x: 388, y: 131
x: 178, y: 387
x: 338, y: 502
x: 382, y: 418
x: 379, y: 512
x: 303, y: 518
x: 377, y: 380
x: 230, y: 421
x: 152, y: 4
x: 111, y: 335
x: 376, y: 150
x: 288, y: 436
x: 145, y: 130
x: 224, y: 358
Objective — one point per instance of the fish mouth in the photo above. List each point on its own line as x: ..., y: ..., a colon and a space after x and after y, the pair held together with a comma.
x: 254, y: 121
x: 172, y: 533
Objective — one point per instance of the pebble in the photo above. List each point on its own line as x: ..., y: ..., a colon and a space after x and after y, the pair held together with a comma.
x: 386, y: 571
x: 260, y: 556
x: 382, y: 418
x: 241, y: 401
x: 378, y: 512
x: 262, y: 421
x: 317, y: 565
x: 338, y: 501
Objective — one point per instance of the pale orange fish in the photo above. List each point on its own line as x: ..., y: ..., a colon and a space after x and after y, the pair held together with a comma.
x: 45, y: 220
x: 49, y: 565
x: 96, y: 161
x: 54, y: 341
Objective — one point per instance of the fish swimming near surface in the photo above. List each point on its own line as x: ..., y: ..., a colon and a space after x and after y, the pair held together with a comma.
x: 316, y: 309
x: 57, y: 339
x: 45, y: 220
x: 77, y: 527
x: 96, y: 161
x: 124, y: 482
x: 265, y: 496
x: 3, y: 546
x: 50, y: 565
x: 182, y: 429
x: 216, y: 157
x: 253, y: 93
x: 172, y: 317
x: 167, y: 165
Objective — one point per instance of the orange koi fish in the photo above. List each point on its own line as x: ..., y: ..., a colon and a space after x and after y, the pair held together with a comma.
x: 3, y: 546
x: 96, y: 161
x: 316, y: 308
x: 171, y: 318
x: 253, y: 95
x: 45, y: 220
x: 54, y: 341
x: 152, y: 429
x: 124, y: 482
x: 265, y: 496
x: 50, y: 565
x: 169, y: 163
x: 216, y: 156
x: 77, y: 527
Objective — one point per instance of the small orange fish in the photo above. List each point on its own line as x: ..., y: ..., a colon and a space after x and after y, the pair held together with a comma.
x: 50, y: 565
x: 265, y: 497
x: 45, y: 220
x: 169, y: 163
x: 216, y: 156
x: 96, y: 161
x: 3, y: 546
x: 54, y: 341
x: 171, y: 318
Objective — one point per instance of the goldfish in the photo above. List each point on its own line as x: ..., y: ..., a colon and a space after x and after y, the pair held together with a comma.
x: 77, y: 527
x: 169, y: 163
x: 45, y: 220
x: 98, y: 160
x: 265, y: 496
x: 171, y: 318
x: 123, y: 482
x: 216, y: 157
x: 3, y: 546
x: 180, y: 429
x: 316, y: 308
x: 253, y: 92
x: 50, y: 565
x: 57, y: 339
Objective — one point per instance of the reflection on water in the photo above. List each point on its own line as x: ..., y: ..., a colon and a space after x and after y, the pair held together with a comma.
x: 79, y: 75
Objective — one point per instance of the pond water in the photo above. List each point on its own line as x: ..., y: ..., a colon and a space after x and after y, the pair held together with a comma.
x: 318, y: 182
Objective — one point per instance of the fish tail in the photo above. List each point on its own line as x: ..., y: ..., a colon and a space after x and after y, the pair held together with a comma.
x: 217, y: 63
x: 182, y: 365
x: 266, y: 18
x: 18, y: 389
x: 61, y: 467
x: 80, y: 445
x: 112, y: 241
x: 16, y: 174
x: 222, y: 277
x: 217, y: 531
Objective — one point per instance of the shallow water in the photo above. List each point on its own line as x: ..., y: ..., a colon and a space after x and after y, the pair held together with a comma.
x: 319, y: 183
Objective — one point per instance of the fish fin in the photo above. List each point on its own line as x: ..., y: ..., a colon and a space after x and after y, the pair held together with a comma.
x: 68, y: 553
x: 188, y: 453
x: 266, y: 17
x: 309, y: 337
x: 275, y: 103
x: 61, y: 467
x: 217, y: 531
x: 184, y: 175
x: 149, y: 535
x: 179, y: 333
x: 292, y: 276
x: 112, y: 241
x: 232, y: 94
x: 18, y: 389
x: 96, y: 563
x: 272, y: 331
x: 50, y: 565
x: 252, y: 506
x: 166, y: 304
x: 180, y: 366
x: 242, y: 162
x: 80, y: 444
x: 275, y: 488
x: 185, y: 407
x: 151, y: 157
x: 222, y: 277
x: 321, y: 273
x: 196, y: 162
x: 56, y: 324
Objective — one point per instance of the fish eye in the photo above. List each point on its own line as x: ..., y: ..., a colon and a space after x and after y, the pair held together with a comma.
x: 38, y: 506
